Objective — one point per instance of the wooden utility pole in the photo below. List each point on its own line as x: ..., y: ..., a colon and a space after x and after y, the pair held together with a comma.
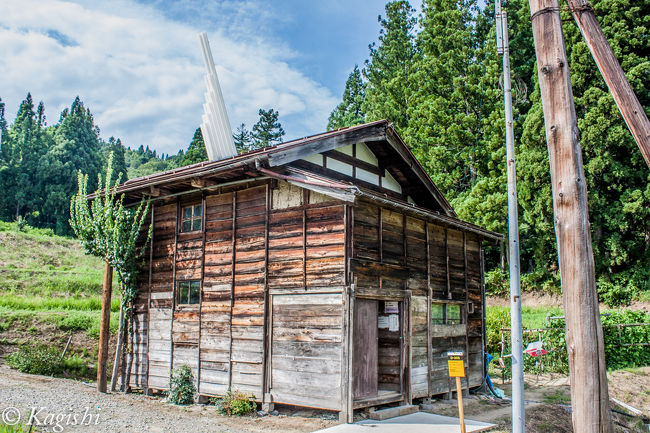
x: 611, y: 70
x: 585, y: 345
x: 104, y: 327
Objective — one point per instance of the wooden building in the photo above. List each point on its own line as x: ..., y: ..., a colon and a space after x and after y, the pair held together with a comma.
x: 326, y: 272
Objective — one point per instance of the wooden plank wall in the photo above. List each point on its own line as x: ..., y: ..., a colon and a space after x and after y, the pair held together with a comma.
x: 300, y: 261
x: 390, y: 253
x: 161, y: 294
x: 139, y: 343
x: 306, y: 349
x: 306, y: 265
x: 216, y: 297
x: 247, y: 350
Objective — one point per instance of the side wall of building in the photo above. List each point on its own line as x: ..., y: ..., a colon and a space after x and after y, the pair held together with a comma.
x: 440, y: 267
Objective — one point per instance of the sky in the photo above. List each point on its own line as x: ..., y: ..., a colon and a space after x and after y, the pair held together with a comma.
x: 137, y: 64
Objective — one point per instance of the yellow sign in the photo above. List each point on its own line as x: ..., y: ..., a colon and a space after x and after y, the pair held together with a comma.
x: 456, y: 366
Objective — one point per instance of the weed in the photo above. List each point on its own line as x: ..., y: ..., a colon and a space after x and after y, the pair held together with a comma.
x: 235, y: 403
x: 557, y: 397
x: 36, y: 360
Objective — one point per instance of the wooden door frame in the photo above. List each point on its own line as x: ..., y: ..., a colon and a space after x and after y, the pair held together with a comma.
x: 405, y: 325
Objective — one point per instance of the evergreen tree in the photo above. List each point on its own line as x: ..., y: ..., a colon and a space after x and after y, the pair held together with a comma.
x: 616, y: 175
x: 243, y: 139
x: 350, y: 111
x: 195, y: 152
x: 28, y: 143
x: 268, y: 130
x: 119, y: 159
x: 445, y: 124
x: 76, y: 147
x: 389, y: 70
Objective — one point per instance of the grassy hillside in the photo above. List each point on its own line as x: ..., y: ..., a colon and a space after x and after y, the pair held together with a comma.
x: 50, y: 289
x: 42, y: 271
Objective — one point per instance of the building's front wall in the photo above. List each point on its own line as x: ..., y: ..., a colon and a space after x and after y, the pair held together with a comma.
x: 270, y: 261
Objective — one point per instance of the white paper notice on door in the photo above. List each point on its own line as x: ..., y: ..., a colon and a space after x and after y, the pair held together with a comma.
x: 393, y: 322
x: 382, y: 322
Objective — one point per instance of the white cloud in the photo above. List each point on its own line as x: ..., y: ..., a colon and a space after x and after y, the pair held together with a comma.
x: 141, y: 73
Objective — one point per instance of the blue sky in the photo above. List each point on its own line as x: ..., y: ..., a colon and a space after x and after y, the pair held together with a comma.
x: 137, y: 63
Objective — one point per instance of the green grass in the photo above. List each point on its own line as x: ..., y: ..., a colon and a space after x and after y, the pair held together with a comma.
x: 68, y: 321
x: 13, y: 301
x: 35, y: 262
x: 531, y: 317
x: 558, y: 396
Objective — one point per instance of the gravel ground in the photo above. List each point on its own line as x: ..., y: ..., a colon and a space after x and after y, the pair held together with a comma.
x: 130, y: 412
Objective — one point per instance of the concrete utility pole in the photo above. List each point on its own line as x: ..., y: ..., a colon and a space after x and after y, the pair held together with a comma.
x: 518, y: 409
x: 585, y: 344
x: 627, y: 102
x: 104, y: 326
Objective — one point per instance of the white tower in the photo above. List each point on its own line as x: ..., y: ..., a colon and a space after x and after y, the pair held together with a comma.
x: 215, y: 128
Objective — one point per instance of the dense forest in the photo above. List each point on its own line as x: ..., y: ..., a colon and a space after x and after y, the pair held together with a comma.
x: 436, y: 76
x: 39, y: 163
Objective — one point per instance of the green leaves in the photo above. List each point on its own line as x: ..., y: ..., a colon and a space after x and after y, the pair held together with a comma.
x: 110, y: 230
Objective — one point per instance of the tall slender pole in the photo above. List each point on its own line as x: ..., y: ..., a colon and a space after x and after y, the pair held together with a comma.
x: 518, y: 416
x: 626, y: 101
x: 584, y: 333
x: 104, y: 326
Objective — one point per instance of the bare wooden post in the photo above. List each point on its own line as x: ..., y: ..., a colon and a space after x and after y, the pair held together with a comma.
x: 585, y: 346
x: 461, y: 411
x: 118, y: 350
x: 102, y: 353
x: 611, y: 70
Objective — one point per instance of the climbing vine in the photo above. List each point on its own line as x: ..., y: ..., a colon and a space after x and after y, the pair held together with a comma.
x: 110, y: 230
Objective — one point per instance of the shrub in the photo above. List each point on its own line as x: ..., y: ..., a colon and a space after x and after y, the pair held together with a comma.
x: 77, y: 321
x: 36, y: 360
x: 236, y: 403
x: 181, y: 387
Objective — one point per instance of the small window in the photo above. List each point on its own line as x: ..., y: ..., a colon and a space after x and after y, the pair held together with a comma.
x: 453, y: 314
x: 191, y: 218
x: 189, y: 292
x: 446, y: 314
x: 437, y: 314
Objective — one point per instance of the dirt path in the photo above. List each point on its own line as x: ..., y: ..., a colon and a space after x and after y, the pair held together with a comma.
x: 130, y: 413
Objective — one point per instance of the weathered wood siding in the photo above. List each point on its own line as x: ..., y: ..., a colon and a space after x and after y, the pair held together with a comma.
x: 216, y: 296
x: 138, y: 344
x: 306, y: 349
x: 247, y: 351
x: 161, y: 294
x: 306, y: 265
x: 393, y: 252
x: 246, y: 250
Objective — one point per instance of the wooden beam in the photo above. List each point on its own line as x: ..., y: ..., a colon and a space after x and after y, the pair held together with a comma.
x: 465, y: 312
x: 156, y: 191
x: 203, y: 221
x: 429, y: 296
x: 626, y: 101
x: 585, y: 345
x: 151, y: 241
x: 232, y: 285
x: 284, y: 156
x: 268, y: 326
x: 104, y: 326
x: 171, y: 327
x: 200, y: 182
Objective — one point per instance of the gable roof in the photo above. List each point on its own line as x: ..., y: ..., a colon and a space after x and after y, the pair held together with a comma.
x: 379, y: 136
x: 282, y: 161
